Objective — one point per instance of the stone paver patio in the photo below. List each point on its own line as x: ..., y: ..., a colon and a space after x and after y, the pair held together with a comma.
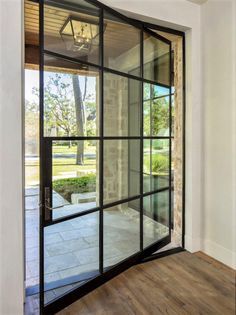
x: 72, y: 247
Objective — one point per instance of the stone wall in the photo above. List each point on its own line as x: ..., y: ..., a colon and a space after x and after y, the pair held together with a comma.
x: 115, y: 151
x: 178, y: 139
x: 115, y: 180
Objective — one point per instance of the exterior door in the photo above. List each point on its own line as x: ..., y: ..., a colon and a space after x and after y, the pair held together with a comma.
x: 105, y: 147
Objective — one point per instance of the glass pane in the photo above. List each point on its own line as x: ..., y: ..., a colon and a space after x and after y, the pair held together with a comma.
x: 156, y: 217
x: 121, y: 106
x: 172, y: 115
x: 159, y: 91
x: 121, y: 232
x: 146, y: 118
x: 73, y: 32
x: 160, y: 115
x: 151, y: 91
x: 146, y: 91
x: 156, y: 164
x: 156, y: 111
x: 121, y: 45
x: 31, y: 146
x: 71, y: 100
x: 121, y: 168
x: 71, y: 254
x: 147, y: 150
x: 75, y: 177
x: 156, y: 60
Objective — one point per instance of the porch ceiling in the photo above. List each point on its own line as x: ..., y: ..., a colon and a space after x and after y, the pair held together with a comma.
x: 55, y: 19
x: 116, y: 33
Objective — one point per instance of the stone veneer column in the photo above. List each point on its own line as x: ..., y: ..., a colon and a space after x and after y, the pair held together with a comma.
x: 115, y: 151
x: 178, y: 139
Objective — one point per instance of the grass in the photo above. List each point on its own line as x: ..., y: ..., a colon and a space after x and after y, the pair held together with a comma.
x: 67, y: 165
x: 60, y: 165
x: 68, y: 150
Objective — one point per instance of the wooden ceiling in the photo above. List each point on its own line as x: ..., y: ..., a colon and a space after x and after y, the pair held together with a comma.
x: 118, y: 37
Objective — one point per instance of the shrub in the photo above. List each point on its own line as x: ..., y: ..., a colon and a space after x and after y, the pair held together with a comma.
x: 158, y: 145
x: 160, y: 164
x: 68, y: 186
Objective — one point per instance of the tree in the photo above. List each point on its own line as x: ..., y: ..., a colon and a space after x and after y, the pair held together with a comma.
x: 156, y: 113
x: 160, y: 115
x: 80, y: 117
x: 59, y: 110
x: 67, y: 110
x: 31, y: 127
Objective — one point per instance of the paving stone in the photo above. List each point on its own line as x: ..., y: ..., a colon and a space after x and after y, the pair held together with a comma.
x: 51, y: 277
x: 71, y: 247
x: 32, y: 253
x: 69, y: 209
x: 60, y: 227
x: 60, y: 262
x: 32, y: 281
x: 88, y: 255
x: 80, y: 269
x: 54, y: 238
x: 31, y: 242
x: 79, y: 233
x: 33, y: 268
x: 66, y: 247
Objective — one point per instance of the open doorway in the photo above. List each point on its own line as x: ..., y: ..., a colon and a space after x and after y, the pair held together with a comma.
x: 111, y: 148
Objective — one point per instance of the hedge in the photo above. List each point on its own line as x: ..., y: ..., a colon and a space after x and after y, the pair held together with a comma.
x: 66, y: 187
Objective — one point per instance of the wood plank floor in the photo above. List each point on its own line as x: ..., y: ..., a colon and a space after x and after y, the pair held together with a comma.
x: 180, y: 284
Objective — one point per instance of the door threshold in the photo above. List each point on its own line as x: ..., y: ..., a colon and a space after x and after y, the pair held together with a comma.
x: 165, y: 253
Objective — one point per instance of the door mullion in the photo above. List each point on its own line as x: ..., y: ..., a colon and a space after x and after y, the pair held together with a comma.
x: 101, y: 144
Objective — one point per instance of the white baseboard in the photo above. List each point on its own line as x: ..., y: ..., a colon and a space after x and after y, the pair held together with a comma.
x: 212, y: 249
x: 220, y: 253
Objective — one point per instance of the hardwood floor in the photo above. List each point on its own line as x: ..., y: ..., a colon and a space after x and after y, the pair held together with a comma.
x: 180, y: 284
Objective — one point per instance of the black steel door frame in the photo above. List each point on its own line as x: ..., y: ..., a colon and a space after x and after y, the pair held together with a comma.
x: 46, y: 161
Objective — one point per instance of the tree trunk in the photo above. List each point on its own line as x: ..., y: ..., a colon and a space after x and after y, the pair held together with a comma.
x: 79, y: 111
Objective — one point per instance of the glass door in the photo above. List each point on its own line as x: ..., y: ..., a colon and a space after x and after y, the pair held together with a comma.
x: 105, y: 147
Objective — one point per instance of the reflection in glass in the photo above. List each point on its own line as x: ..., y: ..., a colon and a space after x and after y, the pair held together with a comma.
x: 121, y: 232
x: 146, y: 118
x: 74, y: 35
x: 121, y: 106
x: 156, y: 164
x: 121, y: 169
x: 121, y: 45
x: 71, y: 99
x: 71, y: 254
x: 156, y: 60
x: 156, y: 113
x: 156, y: 217
x: 75, y: 177
x: 172, y: 115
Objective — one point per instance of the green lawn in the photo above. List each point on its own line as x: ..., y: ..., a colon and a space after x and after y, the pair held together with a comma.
x: 66, y: 167
x: 62, y: 167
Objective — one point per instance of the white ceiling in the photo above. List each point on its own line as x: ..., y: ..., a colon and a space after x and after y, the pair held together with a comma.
x: 198, y: 1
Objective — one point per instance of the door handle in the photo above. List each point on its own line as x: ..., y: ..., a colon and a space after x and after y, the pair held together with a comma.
x: 48, y: 200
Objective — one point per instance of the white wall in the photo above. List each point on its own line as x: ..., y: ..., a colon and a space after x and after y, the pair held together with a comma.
x: 185, y: 16
x: 210, y: 117
x: 11, y: 241
x: 219, y: 84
